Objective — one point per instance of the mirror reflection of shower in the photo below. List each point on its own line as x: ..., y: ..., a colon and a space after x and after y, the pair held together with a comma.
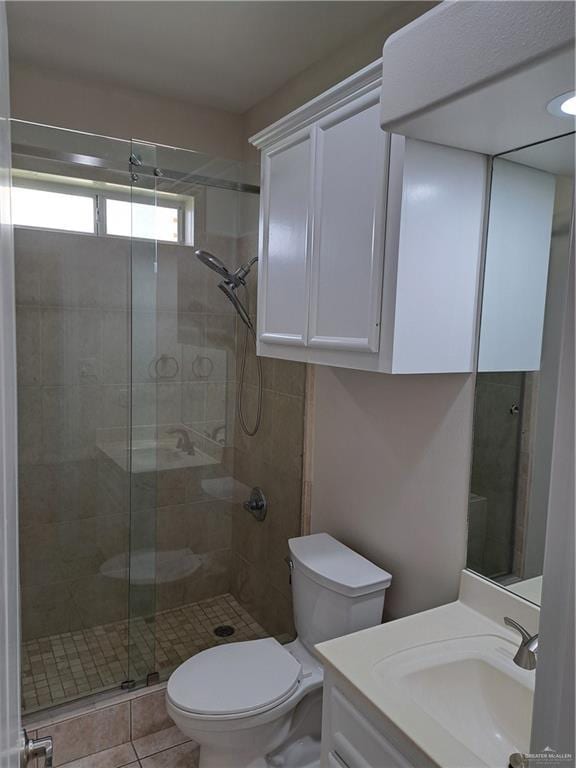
x: 230, y: 285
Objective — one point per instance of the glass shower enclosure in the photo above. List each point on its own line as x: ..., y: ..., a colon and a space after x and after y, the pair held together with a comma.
x: 126, y: 386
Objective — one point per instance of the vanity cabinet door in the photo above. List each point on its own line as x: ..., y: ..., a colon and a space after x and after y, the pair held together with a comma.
x: 285, y: 220
x: 348, y: 241
x: 352, y: 740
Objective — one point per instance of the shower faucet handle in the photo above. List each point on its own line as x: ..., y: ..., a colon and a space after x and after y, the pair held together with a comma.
x: 257, y: 504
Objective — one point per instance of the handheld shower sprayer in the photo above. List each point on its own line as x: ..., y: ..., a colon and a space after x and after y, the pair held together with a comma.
x: 229, y: 285
x: 230, y: 292
x: 232, y: 281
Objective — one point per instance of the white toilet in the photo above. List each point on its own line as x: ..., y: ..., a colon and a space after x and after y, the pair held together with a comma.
x: 257, y: 704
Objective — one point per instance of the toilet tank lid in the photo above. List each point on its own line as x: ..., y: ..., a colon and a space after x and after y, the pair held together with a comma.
x: 330, y: 563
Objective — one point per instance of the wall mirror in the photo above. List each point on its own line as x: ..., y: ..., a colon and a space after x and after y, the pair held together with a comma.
x: 523, y: 300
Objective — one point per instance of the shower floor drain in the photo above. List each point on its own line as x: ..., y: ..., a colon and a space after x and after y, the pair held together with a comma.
x: 224, y: 630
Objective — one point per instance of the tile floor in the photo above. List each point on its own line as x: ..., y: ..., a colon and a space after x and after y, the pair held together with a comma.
x: 122, y: 729
x: 63, y: 667
x: 164, y: 749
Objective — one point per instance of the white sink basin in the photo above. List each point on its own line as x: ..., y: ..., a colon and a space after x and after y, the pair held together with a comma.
x: 471, y: 688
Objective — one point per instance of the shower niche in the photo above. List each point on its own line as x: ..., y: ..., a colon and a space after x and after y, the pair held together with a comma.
x: 135, y: 547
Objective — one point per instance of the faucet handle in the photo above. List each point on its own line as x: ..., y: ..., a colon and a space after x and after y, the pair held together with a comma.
x: 526, y: 654
x: 526, y: 636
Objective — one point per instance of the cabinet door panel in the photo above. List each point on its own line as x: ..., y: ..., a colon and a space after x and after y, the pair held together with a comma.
x: 516, y: 268
x: 434, y: 251
x: 356, y: 741
x: 283, y: 291
x: 349, y: 204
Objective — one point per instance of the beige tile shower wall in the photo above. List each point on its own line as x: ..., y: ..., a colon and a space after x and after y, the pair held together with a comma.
x: 272, y: 460
x: 494, y: 468
x: 73, y: 374
x: 72, y: 331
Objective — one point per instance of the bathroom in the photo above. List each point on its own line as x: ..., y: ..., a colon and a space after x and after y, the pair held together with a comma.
x: 252, y: 362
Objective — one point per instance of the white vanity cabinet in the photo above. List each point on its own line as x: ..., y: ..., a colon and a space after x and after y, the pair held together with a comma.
x: 370, y: 244
x: 356, y: 735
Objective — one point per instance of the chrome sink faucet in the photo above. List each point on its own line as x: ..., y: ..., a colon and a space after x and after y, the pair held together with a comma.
x: 527, y: 653
x: 184, y: 443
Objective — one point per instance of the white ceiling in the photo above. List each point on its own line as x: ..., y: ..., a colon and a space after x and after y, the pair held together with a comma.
x: 228, y: 55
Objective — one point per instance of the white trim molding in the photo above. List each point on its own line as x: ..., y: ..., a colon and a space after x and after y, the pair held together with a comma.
x: 361, y: 82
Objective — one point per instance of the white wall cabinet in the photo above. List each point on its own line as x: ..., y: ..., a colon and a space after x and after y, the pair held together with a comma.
x: 516, y: 271
x: 370, y: 244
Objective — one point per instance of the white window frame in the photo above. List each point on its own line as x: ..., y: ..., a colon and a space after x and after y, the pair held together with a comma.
x: 99, y: 197
x: 65, y: 189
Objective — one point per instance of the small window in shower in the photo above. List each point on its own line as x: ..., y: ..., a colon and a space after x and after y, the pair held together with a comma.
x: 144, y: 220
x: 98, y: 207
x: 53, y: 210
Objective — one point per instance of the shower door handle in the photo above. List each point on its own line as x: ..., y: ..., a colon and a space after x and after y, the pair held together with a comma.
x: 32, y: 748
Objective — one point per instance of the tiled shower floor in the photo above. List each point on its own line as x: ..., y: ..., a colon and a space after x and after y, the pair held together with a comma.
x: 58, y: 668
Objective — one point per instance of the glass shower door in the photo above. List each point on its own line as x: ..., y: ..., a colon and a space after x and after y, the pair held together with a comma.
x: 146, y: 371
x: 73, y: 373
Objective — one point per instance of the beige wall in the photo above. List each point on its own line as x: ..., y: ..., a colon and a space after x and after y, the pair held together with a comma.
x: 391, y: 462
x: 55, y: 98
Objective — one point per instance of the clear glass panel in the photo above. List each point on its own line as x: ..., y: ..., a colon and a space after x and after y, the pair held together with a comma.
x: 221, y: 575
x: 73, y: 298
x: 144, y: 414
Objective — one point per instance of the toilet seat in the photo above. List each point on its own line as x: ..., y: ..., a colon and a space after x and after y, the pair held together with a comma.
x: 235, y: 680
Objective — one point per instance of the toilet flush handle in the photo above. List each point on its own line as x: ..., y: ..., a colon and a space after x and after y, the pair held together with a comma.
x: 290, y: 565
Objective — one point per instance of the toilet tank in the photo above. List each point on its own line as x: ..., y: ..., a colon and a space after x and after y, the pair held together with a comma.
x: 335, y: 590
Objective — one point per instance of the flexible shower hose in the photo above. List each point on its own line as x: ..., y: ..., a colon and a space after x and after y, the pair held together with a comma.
x: 249, y: 331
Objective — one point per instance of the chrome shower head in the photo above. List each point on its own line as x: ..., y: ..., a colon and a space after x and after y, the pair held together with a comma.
x: 229, y: 290
x: 214, y: 263
x: 232, y: 281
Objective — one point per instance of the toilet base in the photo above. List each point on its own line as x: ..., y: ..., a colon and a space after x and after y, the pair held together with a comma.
x: 217, y: 758
x: 296, y: 743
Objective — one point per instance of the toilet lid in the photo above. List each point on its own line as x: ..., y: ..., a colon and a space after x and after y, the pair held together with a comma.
x: 235, y: 678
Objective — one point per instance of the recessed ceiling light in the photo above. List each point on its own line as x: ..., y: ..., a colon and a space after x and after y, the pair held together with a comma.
x: 563, y: 105
x: 569, y: 106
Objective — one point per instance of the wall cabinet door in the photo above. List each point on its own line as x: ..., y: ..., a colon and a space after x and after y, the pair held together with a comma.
x: 285, y: 236
x: 349, y: 212
x: 516, y: 269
